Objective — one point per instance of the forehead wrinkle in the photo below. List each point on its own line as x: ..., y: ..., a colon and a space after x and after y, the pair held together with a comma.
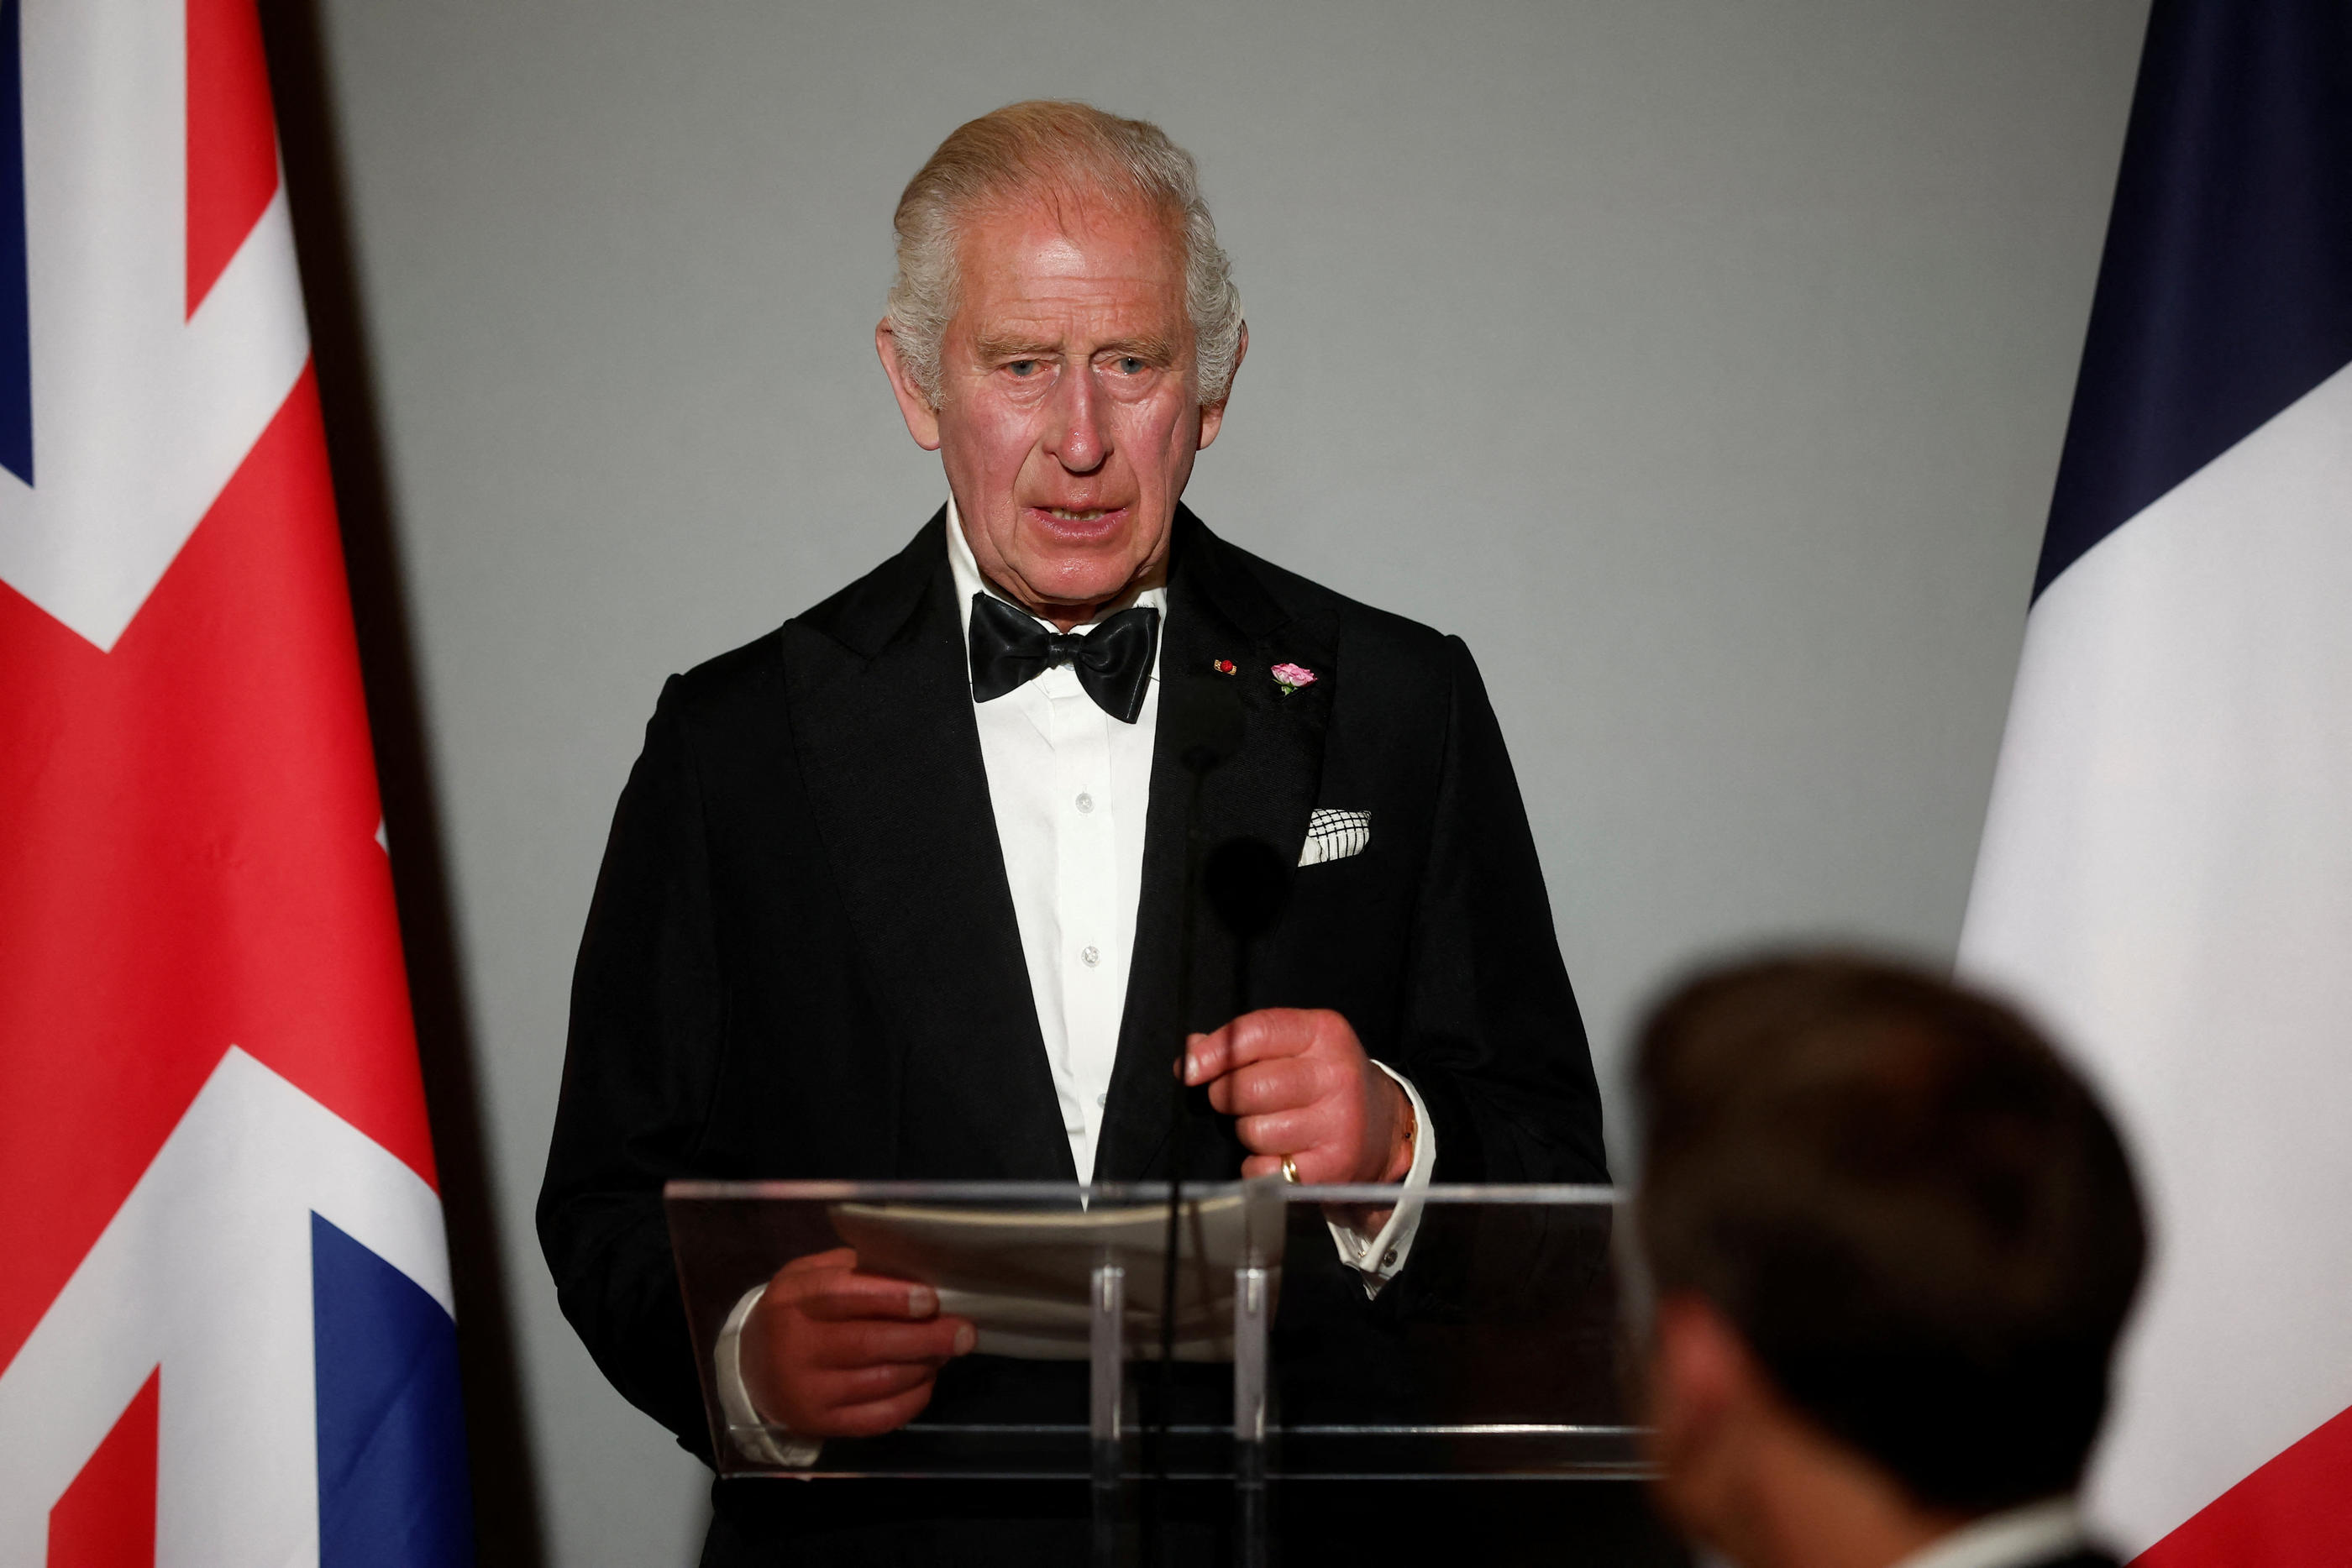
x: 1042, y: 281
x: 1060, y: 273
x: 1073, y: 215
x: 1072, y: 204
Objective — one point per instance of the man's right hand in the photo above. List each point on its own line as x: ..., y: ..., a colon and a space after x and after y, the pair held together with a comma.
x: 832, y: 1353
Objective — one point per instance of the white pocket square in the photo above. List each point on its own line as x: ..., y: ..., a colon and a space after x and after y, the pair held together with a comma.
x: 1333, y: 834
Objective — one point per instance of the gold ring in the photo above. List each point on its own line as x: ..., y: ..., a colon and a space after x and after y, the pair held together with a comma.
x: 1290, y: 1170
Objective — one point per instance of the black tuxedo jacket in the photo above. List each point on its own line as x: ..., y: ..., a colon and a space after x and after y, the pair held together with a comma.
x: 802, y: 961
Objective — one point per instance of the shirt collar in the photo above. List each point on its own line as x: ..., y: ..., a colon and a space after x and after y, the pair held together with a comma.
x: 2012, y: 1538
x: 969, y: 581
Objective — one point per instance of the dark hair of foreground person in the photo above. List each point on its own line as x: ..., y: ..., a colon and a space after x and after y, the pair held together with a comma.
x: 1917, y: 1217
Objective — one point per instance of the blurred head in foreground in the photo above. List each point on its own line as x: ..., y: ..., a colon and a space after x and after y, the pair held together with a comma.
x: 1893, y: 1238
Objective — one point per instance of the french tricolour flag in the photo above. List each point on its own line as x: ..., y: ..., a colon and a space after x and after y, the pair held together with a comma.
x: 2167, y: 869
x: 224, y: 1311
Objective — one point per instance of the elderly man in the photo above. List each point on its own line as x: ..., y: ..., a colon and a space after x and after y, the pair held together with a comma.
x: 1892, y: 1241
x: 893, y: 892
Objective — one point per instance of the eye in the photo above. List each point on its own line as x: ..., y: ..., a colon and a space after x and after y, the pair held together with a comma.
x: 1023, y: 366
x: 1128, y: 365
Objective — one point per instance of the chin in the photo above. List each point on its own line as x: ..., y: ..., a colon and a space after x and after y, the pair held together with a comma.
x: 1079, y: 589
x: 1083, y: 576
x: 1080, y: 562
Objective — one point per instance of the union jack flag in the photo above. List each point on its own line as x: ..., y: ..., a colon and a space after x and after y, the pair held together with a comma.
x: 225, y: 1329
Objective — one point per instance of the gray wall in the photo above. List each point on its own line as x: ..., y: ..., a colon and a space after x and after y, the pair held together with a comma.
x: 1703, y: 362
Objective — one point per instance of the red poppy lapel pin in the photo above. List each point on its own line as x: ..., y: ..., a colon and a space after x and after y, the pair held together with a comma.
x: 1222, y: 666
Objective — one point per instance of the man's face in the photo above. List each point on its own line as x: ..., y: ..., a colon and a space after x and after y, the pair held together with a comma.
x: 1067, y: 417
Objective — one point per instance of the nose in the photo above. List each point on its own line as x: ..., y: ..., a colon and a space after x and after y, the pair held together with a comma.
x: 1078, y: 436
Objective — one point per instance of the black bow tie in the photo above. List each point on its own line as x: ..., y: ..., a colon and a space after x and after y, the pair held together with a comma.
x: 1113, y: 663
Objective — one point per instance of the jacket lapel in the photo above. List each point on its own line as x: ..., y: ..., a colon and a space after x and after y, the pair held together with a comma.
x: 883, y: 728
x: 1217, y: 610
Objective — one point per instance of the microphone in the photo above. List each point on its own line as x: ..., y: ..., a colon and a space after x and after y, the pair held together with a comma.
x: 1201, y: 722
x: 1247, y: 886
x: 1247, y: 883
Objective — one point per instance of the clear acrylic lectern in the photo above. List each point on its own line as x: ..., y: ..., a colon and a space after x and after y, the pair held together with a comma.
x: 1497, y: 1351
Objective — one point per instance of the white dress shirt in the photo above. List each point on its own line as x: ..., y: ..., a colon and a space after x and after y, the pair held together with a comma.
x: 2013, y: 1538
x: 1070, y: 788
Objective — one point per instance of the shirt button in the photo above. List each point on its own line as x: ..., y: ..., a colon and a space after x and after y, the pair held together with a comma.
x: 1101, y: 1101
x: 1086, y: 802
x: 1090, y: 957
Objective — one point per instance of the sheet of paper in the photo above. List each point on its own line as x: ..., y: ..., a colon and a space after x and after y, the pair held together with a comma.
x: 1022, y: 1277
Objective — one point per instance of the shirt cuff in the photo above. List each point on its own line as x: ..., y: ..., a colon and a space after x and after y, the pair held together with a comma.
x: 755, y: 1439
x: 1379, y: 1259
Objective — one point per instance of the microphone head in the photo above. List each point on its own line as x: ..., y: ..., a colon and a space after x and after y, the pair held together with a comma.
x: 1200, y: 720
x: 1247, y: 885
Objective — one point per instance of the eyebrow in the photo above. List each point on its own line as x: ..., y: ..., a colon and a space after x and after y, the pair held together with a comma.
x: 1015, y: 348
x: 1142, y: 348
x: 1019, y: 347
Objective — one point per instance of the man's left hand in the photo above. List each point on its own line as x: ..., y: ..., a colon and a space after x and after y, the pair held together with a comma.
x: 1297, y: 1084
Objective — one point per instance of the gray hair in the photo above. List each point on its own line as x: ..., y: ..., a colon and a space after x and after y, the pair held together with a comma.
x: 991, y: 164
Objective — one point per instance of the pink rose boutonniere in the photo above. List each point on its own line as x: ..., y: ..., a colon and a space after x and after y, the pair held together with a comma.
x: 1290, y: 678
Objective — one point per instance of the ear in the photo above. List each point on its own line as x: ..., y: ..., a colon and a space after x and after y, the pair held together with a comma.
x: 1212, y: 414
x: 1704, y: 1395
x: 922, y: 418
x: 1698, y: 1366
